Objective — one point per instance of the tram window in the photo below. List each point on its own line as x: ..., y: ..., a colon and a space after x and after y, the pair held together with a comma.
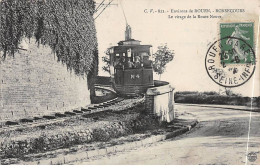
x: 130, y: 64
x: 137, y: 59
x: 111, y: 50
x: 129, y: 52
x: 151, y: 50
x: 144, y: 54
x: 147, y: 62
x: 137, y: 62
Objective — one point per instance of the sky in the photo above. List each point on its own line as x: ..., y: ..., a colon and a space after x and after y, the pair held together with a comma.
x: 189, y: 38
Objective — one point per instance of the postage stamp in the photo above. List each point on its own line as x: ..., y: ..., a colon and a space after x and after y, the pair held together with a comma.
x: 236, y: 49
x: 230, y: 61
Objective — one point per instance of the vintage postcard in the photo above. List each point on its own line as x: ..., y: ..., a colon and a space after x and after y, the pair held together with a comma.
x: 129, y: 82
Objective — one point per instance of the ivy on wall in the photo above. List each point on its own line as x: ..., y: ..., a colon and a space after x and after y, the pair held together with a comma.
x: 67, y: 26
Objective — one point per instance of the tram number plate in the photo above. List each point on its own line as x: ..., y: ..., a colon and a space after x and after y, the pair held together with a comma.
x: 135, y: 76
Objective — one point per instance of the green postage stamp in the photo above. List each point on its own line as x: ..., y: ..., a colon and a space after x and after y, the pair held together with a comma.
x: 230, y: 61
x: 237, y: 42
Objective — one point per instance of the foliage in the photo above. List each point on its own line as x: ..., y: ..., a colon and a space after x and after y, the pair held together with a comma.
x: 229, y: 92
x: 186, y: 92
x: 106, y: 60
x: 215, y: 98
x: 162, y: 57
x: 210, y: 93
x: 67, y: 26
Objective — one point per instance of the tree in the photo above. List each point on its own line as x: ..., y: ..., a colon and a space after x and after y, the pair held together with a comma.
x: 229, y: 92
x: 106, y: 60
x: 162, y: 57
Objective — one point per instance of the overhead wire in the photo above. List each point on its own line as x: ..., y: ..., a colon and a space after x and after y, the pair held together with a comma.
x: 99, y: 6
x: 103, y: 9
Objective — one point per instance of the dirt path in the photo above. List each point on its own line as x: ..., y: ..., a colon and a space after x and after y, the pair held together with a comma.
x: 220, y: 138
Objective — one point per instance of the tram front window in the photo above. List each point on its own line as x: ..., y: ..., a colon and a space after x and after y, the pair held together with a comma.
x: 137, y: 63
x: 130, y: 64
x: 147, y: 62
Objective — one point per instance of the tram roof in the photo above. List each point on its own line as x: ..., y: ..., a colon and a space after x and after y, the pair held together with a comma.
x: 134, y: 47
x: 123, y: 42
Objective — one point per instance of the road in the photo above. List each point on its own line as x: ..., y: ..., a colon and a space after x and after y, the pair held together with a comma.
x: 221, y: 137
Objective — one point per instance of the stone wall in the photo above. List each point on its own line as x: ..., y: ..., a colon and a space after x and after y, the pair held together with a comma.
x: 159, y: 101
x: 34, y: 83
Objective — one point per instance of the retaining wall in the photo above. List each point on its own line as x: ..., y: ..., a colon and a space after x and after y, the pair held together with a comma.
x: 159, y: 101
x: 34, y: 83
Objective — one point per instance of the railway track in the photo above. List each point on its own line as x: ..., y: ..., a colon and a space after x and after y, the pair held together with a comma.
x: 60, y: 117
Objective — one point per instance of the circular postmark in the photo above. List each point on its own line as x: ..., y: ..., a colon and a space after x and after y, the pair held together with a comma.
x: 230, y: 62
x: 251, y: 157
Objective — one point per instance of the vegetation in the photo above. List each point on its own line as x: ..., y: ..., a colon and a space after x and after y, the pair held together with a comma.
x: 215, y: 98
x: 162, y: 57
x: 66, y: 26
x: 106, y: 60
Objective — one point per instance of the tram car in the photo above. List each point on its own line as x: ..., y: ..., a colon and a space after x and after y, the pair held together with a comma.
x: 131, y: 66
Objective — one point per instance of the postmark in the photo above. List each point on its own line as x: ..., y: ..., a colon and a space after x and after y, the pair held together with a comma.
x: 234, y: 50
x: 225, y: 72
